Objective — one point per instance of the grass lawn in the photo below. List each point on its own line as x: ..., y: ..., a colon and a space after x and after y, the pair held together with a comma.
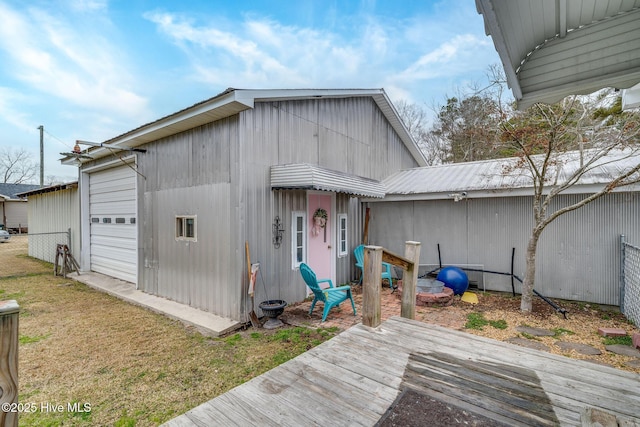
x: 86, y: 358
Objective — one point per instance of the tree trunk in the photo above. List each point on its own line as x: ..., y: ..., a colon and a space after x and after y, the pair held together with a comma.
x: 526, y: 300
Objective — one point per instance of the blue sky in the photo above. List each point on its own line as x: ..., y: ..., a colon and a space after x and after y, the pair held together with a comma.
x: 94, y: 69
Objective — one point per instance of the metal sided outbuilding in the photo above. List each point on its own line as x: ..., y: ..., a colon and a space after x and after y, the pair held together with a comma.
x: 169, y: 205
x: 478, y: 214
x: 54, y: 215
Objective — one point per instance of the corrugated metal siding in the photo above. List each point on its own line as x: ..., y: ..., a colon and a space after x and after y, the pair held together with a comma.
x: 194, y: 273
x: 578, y: 254
x: 52, y: 213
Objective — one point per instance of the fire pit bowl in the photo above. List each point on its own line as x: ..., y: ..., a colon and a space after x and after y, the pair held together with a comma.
x: 272, y: 309
x: 429, y: 286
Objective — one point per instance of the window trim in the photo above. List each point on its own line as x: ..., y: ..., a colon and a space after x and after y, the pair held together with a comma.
x: 180, y: 230
x: 340, y: 218
x: 294, y: 234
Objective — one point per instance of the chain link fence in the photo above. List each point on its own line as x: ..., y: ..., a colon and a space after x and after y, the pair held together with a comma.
x: 630, y: 281
x: 43, y: 245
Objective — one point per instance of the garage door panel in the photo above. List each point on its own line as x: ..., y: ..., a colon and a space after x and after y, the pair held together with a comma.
x: 113, y: 243
x: 113, y: 254
x: 112, y: 196
x: 120, y: 270
x: 122, y: 197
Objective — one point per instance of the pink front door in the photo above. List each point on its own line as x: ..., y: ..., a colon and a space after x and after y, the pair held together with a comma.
x: 320, y: 235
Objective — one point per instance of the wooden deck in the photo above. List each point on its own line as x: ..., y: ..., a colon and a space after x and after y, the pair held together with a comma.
x: 354, y: 378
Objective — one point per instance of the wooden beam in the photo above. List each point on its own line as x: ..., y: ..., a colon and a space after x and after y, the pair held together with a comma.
x: 372, y: 276
x: 9, y: 311
x: 394, y: 259
x: 410, y: 280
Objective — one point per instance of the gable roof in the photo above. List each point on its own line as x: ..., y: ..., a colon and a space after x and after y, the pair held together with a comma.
x: 233, y: 101
x: 498, y: 178
x: 12, y: 191
x: 554, y: 48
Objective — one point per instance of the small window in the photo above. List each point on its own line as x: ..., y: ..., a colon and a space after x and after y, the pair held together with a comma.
x: 132, y: 220
x: 106, y: 220
x: 120, y: 220
x: 343, y: 244
x: 186, y: 227
x: 298, y: 239
x: 94, y: 220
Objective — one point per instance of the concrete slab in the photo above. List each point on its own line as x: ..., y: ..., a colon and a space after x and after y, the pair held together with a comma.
x: 206, y: 323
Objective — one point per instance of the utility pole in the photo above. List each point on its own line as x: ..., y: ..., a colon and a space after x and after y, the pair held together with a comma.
x: 41, y: 155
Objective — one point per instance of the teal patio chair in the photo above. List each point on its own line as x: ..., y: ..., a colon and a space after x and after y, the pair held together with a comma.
x: 386, y: 267
x: 331, y: 297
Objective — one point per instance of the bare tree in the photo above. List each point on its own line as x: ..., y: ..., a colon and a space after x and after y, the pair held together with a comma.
x: 557, y: 146
x: 415, y: 119
x: 16, y: 166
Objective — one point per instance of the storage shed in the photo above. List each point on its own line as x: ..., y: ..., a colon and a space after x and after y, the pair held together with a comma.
x: 13, y: 208
x: 477, y: 214
x: 54, y: 218
x: 250, y: 166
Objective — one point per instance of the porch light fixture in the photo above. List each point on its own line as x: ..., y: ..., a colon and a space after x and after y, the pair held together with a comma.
x: 278, y: 231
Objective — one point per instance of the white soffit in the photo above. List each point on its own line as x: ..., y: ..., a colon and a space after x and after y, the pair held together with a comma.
x: 305, y: 176
x: 554, y: 48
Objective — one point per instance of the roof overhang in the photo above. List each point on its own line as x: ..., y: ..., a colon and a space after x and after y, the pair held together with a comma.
x: 49, y: 189
x: 304, y: 176
x: 234, y: 101
x: 551, y: 49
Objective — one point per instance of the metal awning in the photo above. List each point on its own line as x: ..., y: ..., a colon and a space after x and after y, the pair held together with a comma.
x: 305, y: 176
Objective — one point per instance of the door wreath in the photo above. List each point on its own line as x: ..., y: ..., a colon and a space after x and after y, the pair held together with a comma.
x: 319, y: 221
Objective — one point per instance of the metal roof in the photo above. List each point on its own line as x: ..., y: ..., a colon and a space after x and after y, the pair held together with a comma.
x: 42, y: 190
x: 554, y: 48
x: 233, y: 101
x: 12, y: 191
x: 499, y: 178
x: 312, y: 177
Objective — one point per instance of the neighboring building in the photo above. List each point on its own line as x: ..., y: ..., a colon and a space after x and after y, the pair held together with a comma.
x: 54, y: 218
x: 477, y: 213
x: 245, y: 166
x: 13, y: 208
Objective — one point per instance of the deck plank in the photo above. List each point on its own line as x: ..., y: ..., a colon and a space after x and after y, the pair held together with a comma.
x: 356, y: 376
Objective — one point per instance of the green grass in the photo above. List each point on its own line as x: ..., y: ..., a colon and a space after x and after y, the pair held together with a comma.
x: 558, y: 332
x: 477, y: 321
x: 626, y: 340
x: 26, y: 339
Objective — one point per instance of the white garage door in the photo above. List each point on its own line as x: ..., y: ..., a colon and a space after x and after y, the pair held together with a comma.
x: 112, y: 215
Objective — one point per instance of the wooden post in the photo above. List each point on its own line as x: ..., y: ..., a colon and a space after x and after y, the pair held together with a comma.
x: 9, y: 311
x: 410, y: 280
x: 372, y: 277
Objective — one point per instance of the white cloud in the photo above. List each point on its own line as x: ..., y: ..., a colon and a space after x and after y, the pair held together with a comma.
x: 265, y: 53
x: 452, y: 56
x: 8, y: 99
x: 54, y: 56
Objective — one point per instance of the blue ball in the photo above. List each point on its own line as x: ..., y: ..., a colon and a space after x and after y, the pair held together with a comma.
x: 454, y: 278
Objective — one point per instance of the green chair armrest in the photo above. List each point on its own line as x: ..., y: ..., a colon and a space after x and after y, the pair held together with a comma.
x: 327, y: 281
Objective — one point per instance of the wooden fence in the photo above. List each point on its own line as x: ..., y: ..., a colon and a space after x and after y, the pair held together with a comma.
x: 372, y: 276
